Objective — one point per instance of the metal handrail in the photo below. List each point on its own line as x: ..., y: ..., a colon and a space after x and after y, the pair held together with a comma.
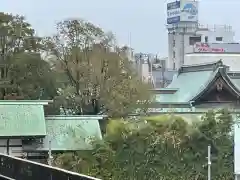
x: 17, y: 168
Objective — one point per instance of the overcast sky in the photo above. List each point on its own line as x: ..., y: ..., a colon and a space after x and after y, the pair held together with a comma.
x: 142, y: 20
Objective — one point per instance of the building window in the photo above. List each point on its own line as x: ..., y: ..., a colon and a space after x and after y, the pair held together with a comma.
x: 219, y: 38
x: 174, y: 65
x: 195, y: 39
x: 174, y: 43
x: 206, y: 39
x: 174, y: 54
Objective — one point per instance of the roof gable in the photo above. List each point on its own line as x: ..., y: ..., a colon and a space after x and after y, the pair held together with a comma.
x: 219, y: 79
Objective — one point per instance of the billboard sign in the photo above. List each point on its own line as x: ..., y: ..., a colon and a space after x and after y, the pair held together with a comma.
x: 173, y: 12
x: 206, y: 48
x: 189, y: 11
x: 182, y: 11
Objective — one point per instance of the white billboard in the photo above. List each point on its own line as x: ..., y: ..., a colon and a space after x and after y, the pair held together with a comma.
x: 182, y: 11
x: 206, y: 48
x: 189, y: 11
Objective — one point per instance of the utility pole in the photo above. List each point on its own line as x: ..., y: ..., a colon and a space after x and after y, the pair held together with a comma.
x: 209, y: 162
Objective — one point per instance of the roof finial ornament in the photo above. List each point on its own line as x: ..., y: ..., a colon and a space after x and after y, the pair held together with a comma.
x: 220, y: 63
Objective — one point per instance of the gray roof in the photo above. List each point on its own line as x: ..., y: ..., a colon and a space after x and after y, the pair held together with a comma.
x: 167, y: 74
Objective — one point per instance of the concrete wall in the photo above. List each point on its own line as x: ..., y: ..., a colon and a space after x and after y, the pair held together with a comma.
x: 182, y: 46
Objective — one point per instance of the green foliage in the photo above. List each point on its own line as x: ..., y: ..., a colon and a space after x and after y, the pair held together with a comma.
x: 97, y: 76
x: 83, y: 70
x: 21, y: 65
x: 32, y: 75
x: 165, y: 148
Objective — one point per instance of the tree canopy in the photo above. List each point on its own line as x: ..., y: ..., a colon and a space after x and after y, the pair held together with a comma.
x: 80, y: 67
x: 97, y: 75
x: 22, y: 68
x: 160, y: 148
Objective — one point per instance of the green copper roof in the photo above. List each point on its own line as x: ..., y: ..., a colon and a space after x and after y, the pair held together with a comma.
x: 193, y: 81
x: 188, y: 84
x: 22, y: 118
x: 71, y: 133
x: 236, y: 82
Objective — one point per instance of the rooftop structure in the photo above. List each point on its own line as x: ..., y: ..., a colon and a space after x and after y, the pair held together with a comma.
x: 153, y: 69
x: 185, y: 33
x: 162, y: 77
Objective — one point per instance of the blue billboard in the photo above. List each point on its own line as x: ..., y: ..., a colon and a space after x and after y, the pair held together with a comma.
x: 173, y: 5
x: 173, y: 12
x: 173, y: 20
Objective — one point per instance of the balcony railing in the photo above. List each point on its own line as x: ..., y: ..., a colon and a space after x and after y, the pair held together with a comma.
x: 13, y: 168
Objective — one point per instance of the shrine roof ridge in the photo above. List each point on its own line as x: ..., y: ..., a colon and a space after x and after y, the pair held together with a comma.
x: 211, y: 66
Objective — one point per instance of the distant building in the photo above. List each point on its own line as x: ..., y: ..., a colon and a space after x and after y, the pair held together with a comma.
x: 185, y: 32
x: 229, y: 53
x: 162, y: 77
x: 153, y: 69
x: 129, y: 53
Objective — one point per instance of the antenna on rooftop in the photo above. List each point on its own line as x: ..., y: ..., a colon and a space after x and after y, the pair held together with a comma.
x: 130, y: 40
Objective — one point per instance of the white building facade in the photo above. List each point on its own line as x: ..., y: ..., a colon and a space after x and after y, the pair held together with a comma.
x: 232, y: 59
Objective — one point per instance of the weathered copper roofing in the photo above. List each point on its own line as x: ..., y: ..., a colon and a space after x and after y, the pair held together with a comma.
x: 21, y: 118
x: 192, y: 81
x: 67, y: 133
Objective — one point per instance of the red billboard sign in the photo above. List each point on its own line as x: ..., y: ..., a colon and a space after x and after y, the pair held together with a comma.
x: 204, y: 47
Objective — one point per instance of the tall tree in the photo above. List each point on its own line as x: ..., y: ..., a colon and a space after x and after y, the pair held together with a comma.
x: 98, y: 76
x: 23, y: 72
